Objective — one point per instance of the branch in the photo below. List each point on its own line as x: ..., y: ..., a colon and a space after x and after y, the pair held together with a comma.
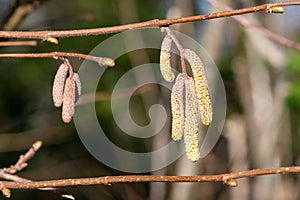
x: 224, y: 178
x: 8, y: 173
x: 22, y: 162
x: 104, y: 61
x: 43, y: 35
x: 18, y: 43
x: 243, y: 21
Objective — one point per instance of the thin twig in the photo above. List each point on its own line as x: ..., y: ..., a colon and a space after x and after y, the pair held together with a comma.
x: 22, y: 162
x: 43, y: 35
x: 146, y: 179
x: 104, y: 61
x: 243, y: 21
x: 18, y: 43
x: 8, y: 173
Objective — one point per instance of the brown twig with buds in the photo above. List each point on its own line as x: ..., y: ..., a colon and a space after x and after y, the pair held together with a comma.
x: 9, y: 173
x: 103, y: 61
x: 223, y: 178
x: 44, y: 35
x: 18, y: 43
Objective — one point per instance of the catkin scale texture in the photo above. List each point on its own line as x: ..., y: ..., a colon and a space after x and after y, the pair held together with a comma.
x: 191, y: 124
x: 201, y: 86
x: 165, y: 59
x: 58, y: 84
x: 177, y: 107
x: 68, y: 106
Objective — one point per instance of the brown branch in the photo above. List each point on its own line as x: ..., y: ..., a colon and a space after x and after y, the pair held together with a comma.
x: 8, y: 173
x: 224, y: 178
x: 243, y: 21
x: 18, y: 43
x: 22, y: 162
x: 104, y: 61
x: 43, y: 35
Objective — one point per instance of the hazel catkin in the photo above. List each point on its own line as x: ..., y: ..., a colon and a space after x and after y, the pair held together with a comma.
x: 191, y: 123
x: 68, y: 106
x: 59, y: 83
x: 201, y: 86
x: 165, y: 59
x: 177, y: 107
x: 76, y: 78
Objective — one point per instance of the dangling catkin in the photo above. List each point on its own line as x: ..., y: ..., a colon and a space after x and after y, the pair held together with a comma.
x: 177, y: 107
x: 201, y: 86
x: 76, y: 78
x: 191, y: 121
x: 59, y: 83
x: 68, y: 106
x: 165, y: 59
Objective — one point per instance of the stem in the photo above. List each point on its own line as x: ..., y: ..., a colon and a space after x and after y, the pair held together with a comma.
x: 179, y: 47
x: 43, y: 35
x: 18, y: 43
x: 104, y: 61
x: 246, y: 23
x: 146, y: 179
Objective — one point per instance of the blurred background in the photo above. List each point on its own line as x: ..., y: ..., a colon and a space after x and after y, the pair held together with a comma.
x: 261, y: 79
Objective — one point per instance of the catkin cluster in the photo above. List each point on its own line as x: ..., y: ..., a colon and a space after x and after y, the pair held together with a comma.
x: 190, y: 99
x: 185, y: 115
x: 66, y: 90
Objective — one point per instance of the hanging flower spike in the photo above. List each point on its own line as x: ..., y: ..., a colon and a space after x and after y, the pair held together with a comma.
x: 76, y: 78
x: 59, y: 83
x: 201, y: 86
x: 177, y: 107
x: 68, y: 106
x: 191, y: 138
x: 165, y: 59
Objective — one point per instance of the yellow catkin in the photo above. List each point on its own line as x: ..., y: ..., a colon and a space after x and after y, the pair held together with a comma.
x: 77, y: 86
x: 191, y: 124
x: 165, y: 59
x: 201, y: 86
x: 68, y: 106
x: 59, y: 83
x: 177, y: 107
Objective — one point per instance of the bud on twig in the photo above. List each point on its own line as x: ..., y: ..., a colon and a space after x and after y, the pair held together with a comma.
x: 6, y: 192
x: 59, y: 83
x: 191, y: 138
x: 68, y: 106
x: 165, y: 59
x: 201, y: 86
x: 177, y: 107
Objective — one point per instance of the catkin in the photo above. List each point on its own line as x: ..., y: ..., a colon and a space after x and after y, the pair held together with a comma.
x: 201, y: 86
x: 177, y: 107
x: 191, y: 138
x: 76, y: 78
x: 68, y: 106
x: 59, y: 83
x: 165, y: 59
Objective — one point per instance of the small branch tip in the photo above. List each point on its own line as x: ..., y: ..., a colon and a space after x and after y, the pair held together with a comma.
x: 37, y: 145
